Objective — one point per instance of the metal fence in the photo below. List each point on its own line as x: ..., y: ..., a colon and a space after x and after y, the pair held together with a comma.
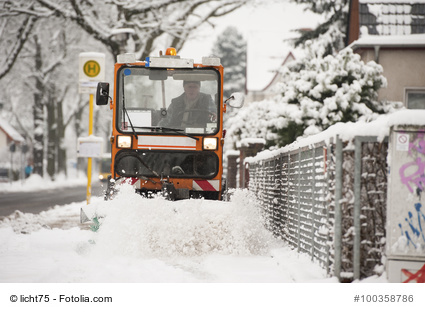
x: 328, y: 200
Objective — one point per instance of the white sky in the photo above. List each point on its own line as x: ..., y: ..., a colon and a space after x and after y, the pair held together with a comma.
x: 265, y: 28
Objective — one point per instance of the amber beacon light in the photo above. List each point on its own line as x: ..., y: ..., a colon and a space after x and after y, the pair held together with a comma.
x: 171, y: 51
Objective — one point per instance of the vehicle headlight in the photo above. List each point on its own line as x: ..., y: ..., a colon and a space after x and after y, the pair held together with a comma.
x: 210, y: 144
x: 124, y: 142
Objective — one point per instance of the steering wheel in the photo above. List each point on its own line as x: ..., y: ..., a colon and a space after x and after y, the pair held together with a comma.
x: 202, y: 113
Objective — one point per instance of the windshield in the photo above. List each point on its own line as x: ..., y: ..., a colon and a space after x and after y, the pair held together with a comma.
x: 168, y: 100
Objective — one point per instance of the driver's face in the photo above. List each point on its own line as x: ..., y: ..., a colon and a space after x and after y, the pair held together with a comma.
x: 192, y: 90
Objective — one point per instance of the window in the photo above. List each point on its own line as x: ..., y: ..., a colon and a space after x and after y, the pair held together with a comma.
x: 415, y: 99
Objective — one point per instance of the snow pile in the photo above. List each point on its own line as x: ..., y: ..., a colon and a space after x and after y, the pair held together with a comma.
x: 137, y: 226
x: 151, y: 240
x: 64, y: 217
x: 42, y: 256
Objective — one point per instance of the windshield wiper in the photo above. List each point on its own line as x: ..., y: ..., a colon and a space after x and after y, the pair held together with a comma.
x: 128, y: 116
x: 131, y: 124
x: 176, y: 130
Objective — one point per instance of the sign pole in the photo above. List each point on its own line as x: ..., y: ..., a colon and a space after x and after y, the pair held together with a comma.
x: 89, y: 160
x: 91, y: 71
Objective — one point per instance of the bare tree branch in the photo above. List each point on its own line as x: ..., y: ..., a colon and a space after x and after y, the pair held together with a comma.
x: 150, y: 20
x: 22, y: 37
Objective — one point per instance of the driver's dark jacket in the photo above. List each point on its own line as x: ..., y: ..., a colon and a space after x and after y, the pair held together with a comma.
x: 178, y: 107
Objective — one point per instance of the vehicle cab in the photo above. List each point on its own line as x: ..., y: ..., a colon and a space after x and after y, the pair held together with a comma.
x: 167, y: 132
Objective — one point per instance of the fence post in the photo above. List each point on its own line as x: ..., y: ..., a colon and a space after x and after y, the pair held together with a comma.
x: 247, y: 148
x: 357, y: 189
x: 282, y: 206
x: 338, y: 215
x: 299, y: 203
x: 313, y: 202
x: 275, y: 208
x: 327, y: 165
x: 232, y: 168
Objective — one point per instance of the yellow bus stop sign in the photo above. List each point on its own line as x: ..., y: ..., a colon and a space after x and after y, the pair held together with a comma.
x: 91, y: 68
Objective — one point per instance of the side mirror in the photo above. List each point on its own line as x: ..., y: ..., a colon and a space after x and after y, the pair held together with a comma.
x: 102, y: 94
x: 236, y: 100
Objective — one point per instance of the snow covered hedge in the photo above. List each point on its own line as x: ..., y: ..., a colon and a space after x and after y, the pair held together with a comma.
x: 315, y: 93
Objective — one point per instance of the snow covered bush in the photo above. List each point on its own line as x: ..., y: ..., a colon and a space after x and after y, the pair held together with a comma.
x: 315, y: 93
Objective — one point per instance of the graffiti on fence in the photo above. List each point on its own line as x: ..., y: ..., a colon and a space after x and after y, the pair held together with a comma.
x: 419, y: 276
x: 414, y: 231
x: 413, y: 177
x: 418, y: 144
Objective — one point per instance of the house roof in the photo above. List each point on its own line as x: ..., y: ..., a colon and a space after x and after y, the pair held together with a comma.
x: 392, y: 17
x: 11, y: 132
x: 290, y: 57
x: 402, y: 41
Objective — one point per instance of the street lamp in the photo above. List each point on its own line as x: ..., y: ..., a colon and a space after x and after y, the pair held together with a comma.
x: 124, y: 38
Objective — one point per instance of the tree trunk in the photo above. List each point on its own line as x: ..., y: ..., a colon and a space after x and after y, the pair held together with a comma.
x: 38, y: 109
x: 60, y: 139
x: 51, y: 136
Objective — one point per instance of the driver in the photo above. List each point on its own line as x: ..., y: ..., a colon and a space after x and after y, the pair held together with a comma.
x: 191, y: 108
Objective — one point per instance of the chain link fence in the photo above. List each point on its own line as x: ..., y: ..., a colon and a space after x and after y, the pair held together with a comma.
x: 328, y: 200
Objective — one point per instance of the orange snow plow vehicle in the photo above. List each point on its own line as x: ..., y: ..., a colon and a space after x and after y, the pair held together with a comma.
x: 167, y: 126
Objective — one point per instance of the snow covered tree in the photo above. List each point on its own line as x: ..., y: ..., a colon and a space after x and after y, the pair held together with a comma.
x: 41, y: 87
x: 137, y: 25
x: 316, y: 92
x: 34, y: 75
x: 332, y: 31
x: 14, y: 32
x: 231, y: 47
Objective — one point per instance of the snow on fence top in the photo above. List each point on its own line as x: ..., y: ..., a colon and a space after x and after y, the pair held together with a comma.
x: 348, y: 131
x: 232, y: 153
